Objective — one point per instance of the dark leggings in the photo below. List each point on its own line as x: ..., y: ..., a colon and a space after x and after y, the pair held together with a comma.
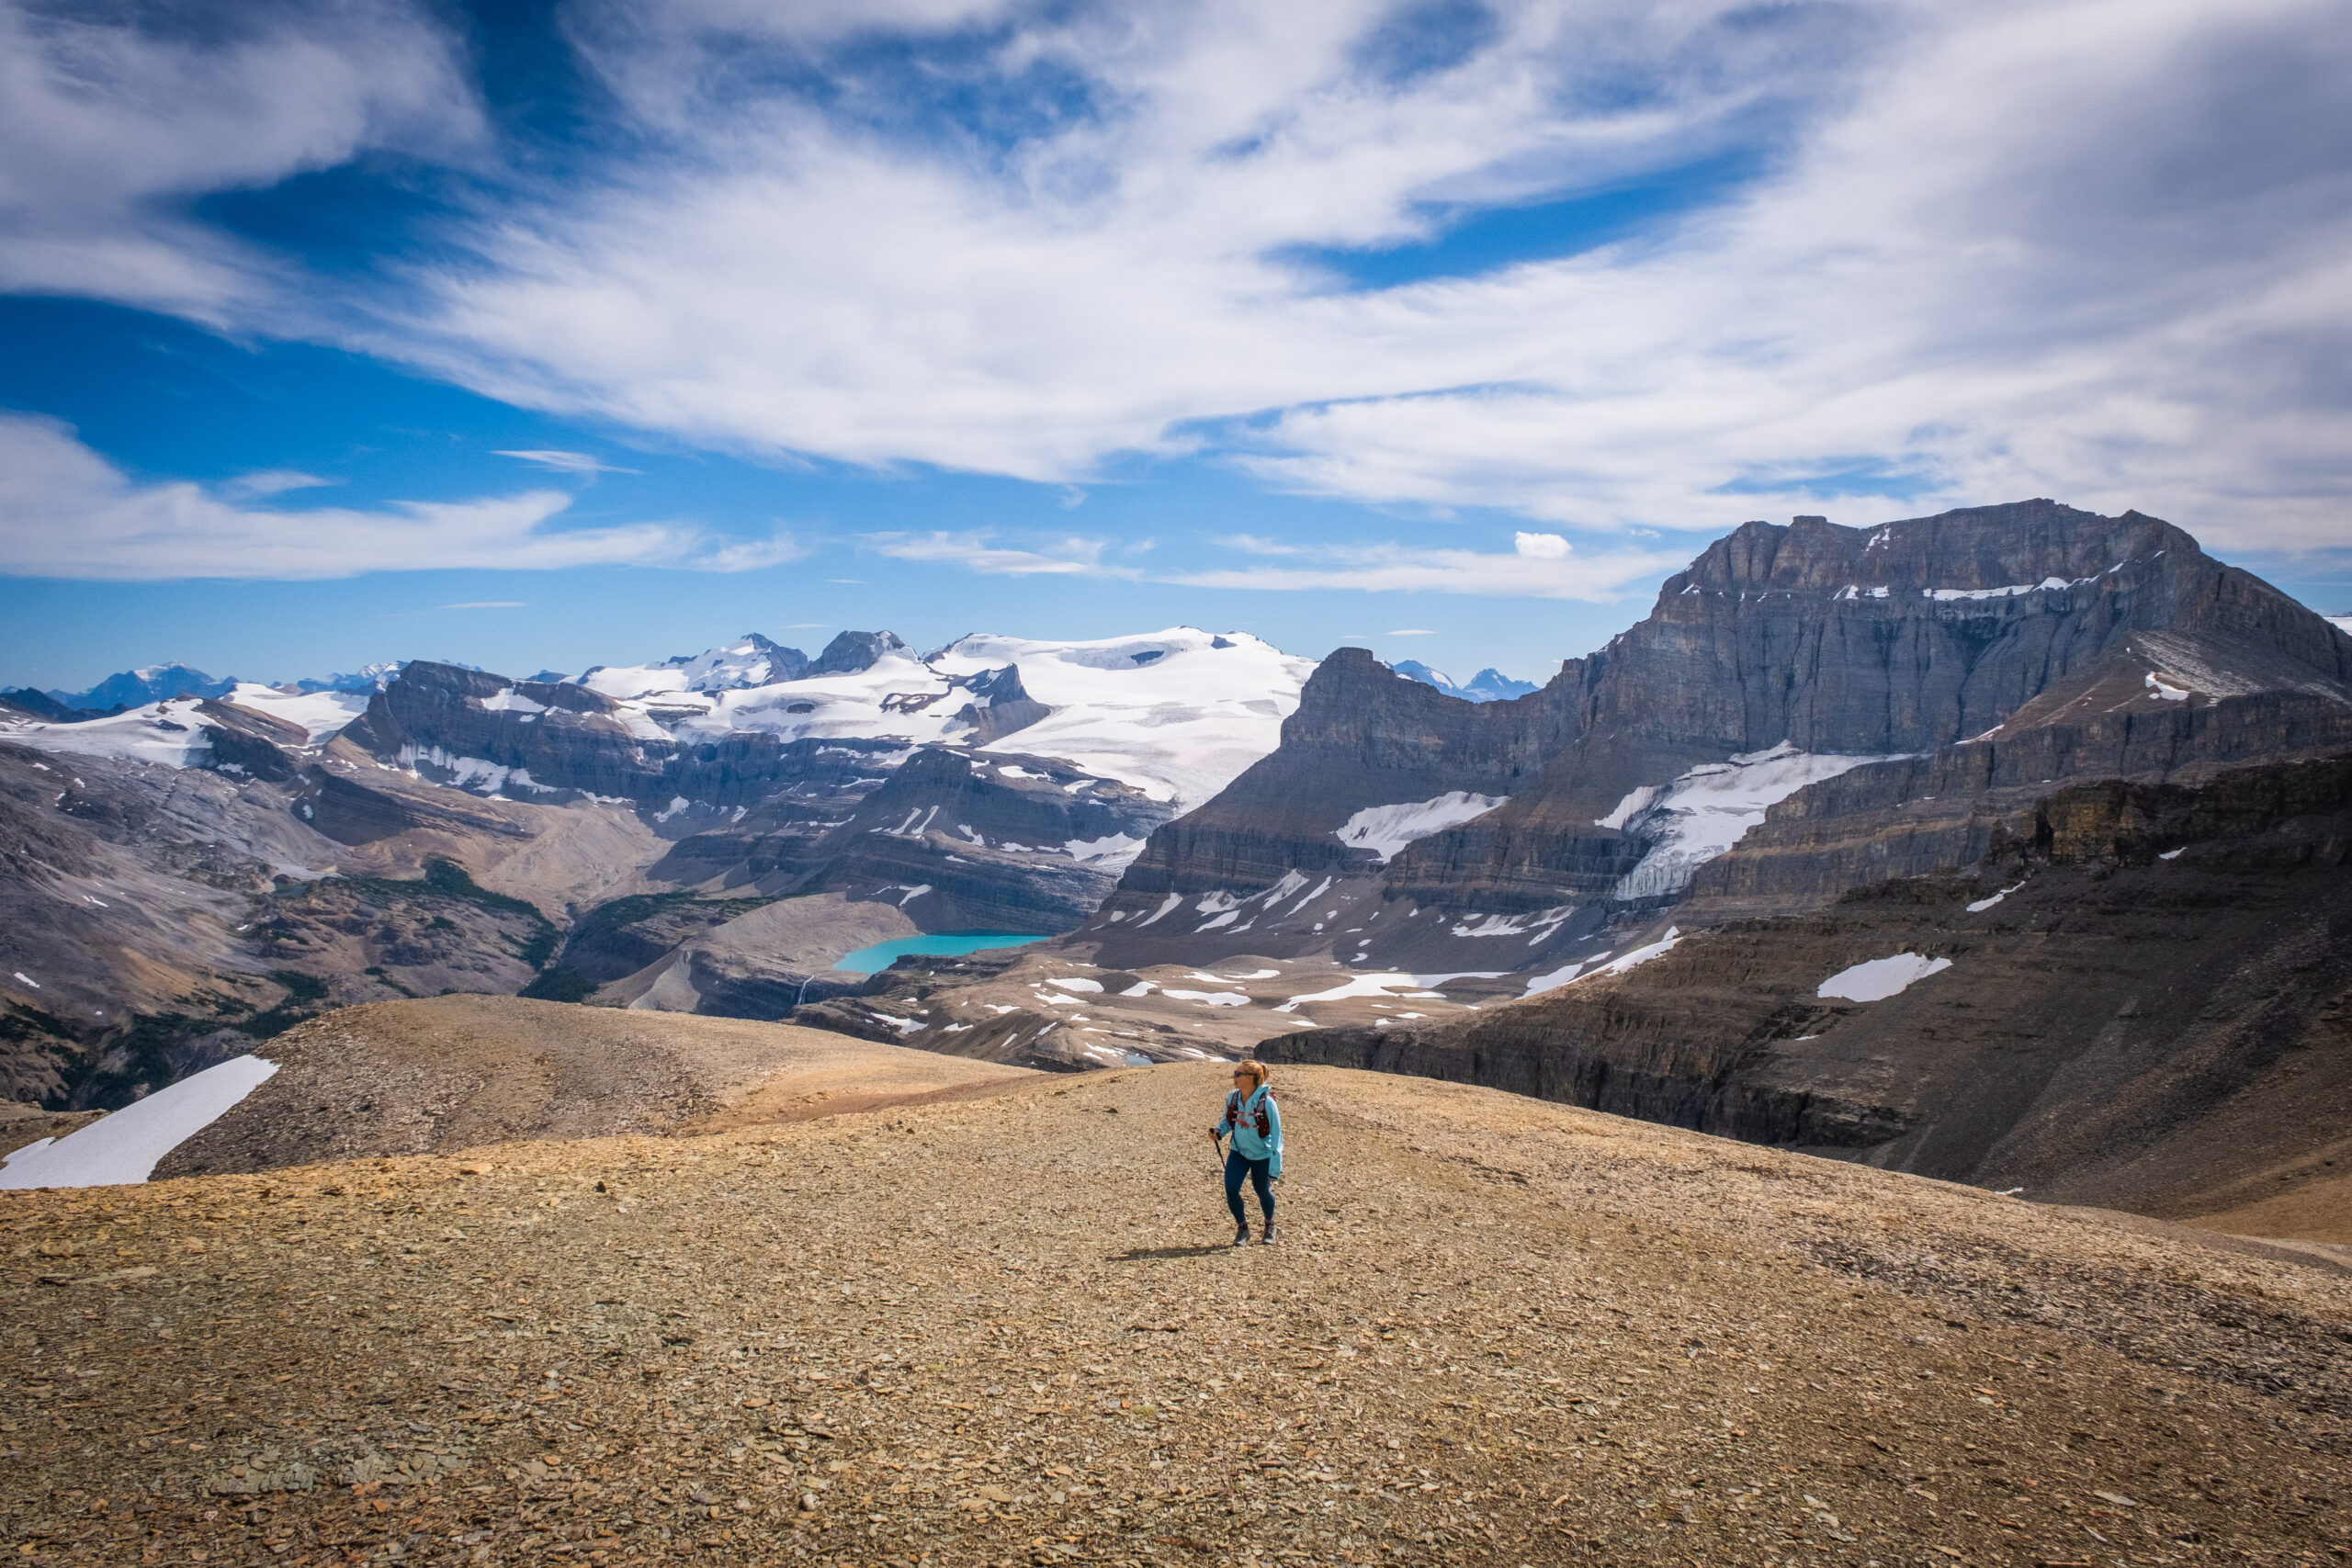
x: 1237, y: 1165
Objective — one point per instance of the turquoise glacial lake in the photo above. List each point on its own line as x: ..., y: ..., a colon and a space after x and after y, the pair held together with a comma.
x: 939, y: 944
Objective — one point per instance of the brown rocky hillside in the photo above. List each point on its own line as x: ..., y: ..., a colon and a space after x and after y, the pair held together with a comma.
x: 1006, y: 1330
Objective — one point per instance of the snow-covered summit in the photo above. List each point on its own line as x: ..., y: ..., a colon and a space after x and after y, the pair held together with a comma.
x: 148, y: 684
x: 1489, y: 685
x: 177, y: 732
x: 367, y: 678
x: 173, y: 733
x: 1176, y: 713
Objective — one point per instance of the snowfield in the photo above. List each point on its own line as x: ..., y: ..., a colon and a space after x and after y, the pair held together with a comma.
x: 1177, y: 714
x: 120, y: 1150
x: 1384, y: 830
x: 172, y: 733
x: 1881, y: 977
x: 1691, y: 819
x: 320, y: 713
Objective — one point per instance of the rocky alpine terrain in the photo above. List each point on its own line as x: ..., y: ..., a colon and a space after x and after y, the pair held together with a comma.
x: 2144, y: 1002
x: 2073, y: 763
x: 708, y: 834
x: 1807, y: 710
x: 1008, y: 1329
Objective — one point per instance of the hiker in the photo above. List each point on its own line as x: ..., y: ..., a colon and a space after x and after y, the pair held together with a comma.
x: 1256, y: 1128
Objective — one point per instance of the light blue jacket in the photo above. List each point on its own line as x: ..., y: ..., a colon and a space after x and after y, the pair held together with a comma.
x: 1241, y: 1120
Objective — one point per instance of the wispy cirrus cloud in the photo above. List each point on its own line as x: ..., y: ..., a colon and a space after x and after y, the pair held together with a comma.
x: 2096, y: 249
x: 115, y: 119
x: 566, y: 462
x: 275, y: 481
x: 977, y: 550
x: 1520, y: 573
x: 1160, y: 262
x: 66, y: 512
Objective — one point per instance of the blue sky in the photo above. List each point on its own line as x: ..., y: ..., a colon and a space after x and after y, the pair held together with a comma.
x: 596, y: 332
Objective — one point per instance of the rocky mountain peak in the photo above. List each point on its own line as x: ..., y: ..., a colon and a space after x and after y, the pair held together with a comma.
x: 1976, y: 548
x: 853, y: 651
x: 149, y: 683
x: 750, y: 660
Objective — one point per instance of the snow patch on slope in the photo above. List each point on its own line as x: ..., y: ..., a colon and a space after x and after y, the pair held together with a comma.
x: 172, y: 733
x: 2048, y: 584
x: 1115, y: 853
x: 320, y: 713
x: 1383, y: 985
x: 1178, y: 714
x: 1582, y: 971
x: 1881, y: 977
x: 121, y: 1150
x: 1703, y: 813
x: 1384, y: 830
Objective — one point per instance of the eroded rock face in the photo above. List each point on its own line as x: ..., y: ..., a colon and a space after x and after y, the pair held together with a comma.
x: 979, y: 839
x: 545, y: 739
x: 1362, y: 735
x: 1887, y: 697
x: 2146, y: 1007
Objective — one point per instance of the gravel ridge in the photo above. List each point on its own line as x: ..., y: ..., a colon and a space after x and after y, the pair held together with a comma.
x: 1007, y: 1330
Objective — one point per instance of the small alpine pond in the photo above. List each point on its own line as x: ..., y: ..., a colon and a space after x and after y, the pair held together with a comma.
x: 935, y: 944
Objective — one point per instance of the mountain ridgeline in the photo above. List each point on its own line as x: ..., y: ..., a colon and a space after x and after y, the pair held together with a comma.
x: 1807, y: 710
x: 709, y: 833
x: 1824, y: 746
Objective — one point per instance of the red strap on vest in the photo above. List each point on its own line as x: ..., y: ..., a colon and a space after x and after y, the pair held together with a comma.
x: 1232, y: 1114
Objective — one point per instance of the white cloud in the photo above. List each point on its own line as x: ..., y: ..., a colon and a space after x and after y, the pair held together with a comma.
x: 1543, y: 546
x: 2093, y: 249
x: 66, y: 512
x: 978, y: 552
x: 108, y: 128
x: 566, y: 462
x: 2096, y: 249
x: 1401, y: 568
x: 275, y: 481
x: 1411, y: 631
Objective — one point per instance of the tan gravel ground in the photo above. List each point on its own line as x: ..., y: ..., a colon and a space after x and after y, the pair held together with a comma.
x: 447, y: 1074
x: 1005, y: 1331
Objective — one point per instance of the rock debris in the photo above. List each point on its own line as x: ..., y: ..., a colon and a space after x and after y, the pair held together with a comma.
x: 1006, y: 1330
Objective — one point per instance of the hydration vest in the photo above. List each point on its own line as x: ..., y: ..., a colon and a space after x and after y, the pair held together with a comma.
x: 1233, y: 1103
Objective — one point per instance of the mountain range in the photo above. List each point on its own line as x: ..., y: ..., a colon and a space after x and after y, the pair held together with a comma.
x: 1822, y: 742
x: 1490, y: 685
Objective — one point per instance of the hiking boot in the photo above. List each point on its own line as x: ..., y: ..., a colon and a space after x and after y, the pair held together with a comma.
x: 1241, y: 1235
x: 1273, y: 1235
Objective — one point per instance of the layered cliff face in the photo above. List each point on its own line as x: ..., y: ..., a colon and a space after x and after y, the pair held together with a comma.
x: 1806, y: 709
x: 524, y: 739
x: 1362, y: 734
x: 2062, y: 641
x: 2142, y: 998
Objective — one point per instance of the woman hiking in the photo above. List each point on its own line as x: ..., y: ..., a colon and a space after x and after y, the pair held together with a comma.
x: 1256, y: 1128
